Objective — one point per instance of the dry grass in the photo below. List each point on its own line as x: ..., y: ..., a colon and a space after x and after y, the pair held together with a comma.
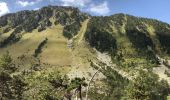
x: 56, y: 55
x: 5, y: 35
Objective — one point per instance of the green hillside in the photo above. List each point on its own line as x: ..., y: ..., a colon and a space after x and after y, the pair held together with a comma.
x: 57, y: 53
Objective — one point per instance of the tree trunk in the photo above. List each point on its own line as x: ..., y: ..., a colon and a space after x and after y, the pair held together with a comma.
x: 90, y: 82
x: 80, y: 92
x: 76, y: 96
x: 68, y: 95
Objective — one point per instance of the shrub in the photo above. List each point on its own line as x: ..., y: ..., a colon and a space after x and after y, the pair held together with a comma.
x: 39, y: 48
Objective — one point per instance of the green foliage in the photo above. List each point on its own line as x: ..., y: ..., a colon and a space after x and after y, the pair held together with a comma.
x: 71, y: 22
x: 27, y: 21
x: 101, y: 40
x: 77, y: 83
x: 3, y: 21
x: 114, y: 85
x: 60, y: 87
x: 139, y: 40
x: 5, y: 82
x: 11, y: 87
x: 40, y: 47
x: 6, y: 64
x: 126, y: 38
x: 59, y: 82
x: 167, y: 73
x: 165, y: 41
x: 45, y: 23
x: 6, y: 30
x: 161, y: 29
x: 64, y: 86
x: 136, y: 30
x: 146, y: 86
x: 135, y: 46
x: 30, y: 24
x: 19, y: 86
x: 62, y: 18
x: 94, y: 95
x: 46, y: 12
x: 13, y: 38
x: 71, y: 29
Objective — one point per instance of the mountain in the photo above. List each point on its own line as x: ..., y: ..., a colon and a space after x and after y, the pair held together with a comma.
x: 123, y: 56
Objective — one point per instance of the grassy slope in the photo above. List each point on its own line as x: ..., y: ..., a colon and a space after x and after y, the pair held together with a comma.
x: 82, y: 54
x: 56, y: 55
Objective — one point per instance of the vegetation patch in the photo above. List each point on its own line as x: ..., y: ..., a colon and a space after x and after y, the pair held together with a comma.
x: 40, y: 47
x: 71, y: 30
x: 14, y: 37
x: 101, y: 40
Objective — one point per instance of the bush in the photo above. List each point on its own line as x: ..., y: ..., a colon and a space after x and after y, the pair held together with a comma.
x: 101, y: 40
x: 39, y: 48
x: 71, y: 30
x: 146, y: 86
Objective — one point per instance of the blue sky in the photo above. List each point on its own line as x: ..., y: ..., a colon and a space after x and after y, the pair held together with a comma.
x: 157, y: 9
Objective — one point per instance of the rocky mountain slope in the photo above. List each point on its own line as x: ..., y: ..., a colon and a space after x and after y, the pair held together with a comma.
x: 62, y: 40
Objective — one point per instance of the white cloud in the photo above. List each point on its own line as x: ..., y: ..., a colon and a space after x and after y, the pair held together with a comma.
x: 101, y: 9
x: 77, y: 3
x: 87, y: 5
x: 3, y: 8
x: 27, y: 3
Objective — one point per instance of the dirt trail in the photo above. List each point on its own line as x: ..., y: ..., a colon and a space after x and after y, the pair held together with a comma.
x: 83, y: 31
x: 160, y: 70
x: 80, y: 55
x: 79, y: 37
x: 80, y: 66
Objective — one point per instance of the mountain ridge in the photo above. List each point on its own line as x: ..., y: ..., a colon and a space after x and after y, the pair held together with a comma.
x: 71, y: 27
x: 62, y: 42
